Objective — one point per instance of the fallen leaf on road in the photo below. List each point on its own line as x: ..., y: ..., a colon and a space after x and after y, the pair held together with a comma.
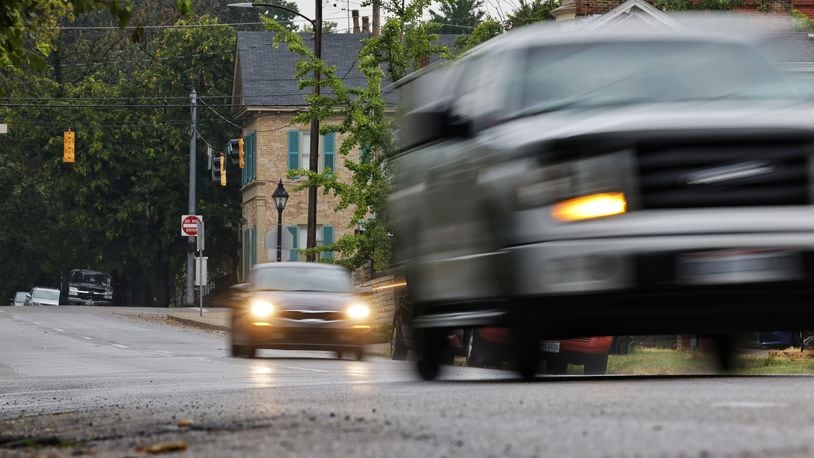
x: 184, y: 422
x: 164, y: 447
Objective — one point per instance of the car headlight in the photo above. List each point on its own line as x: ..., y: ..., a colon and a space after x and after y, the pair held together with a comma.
x: 358, y: 311
x: 262, y: 309
x: 578, y: 189
x: 108, y: 294
x: 73, y: 291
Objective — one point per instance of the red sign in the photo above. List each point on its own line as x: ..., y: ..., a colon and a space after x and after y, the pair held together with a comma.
x: 189, y: 225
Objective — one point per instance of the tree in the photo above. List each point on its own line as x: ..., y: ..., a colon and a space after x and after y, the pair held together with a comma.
x: 327, y: 27
x: 117, y: 207
x: 27, y: 27
x: 531, y: 12
x: 458, y: 16
x: 365, y: 121
x: 485, y: 31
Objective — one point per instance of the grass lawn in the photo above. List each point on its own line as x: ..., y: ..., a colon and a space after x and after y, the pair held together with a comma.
x: 648, y: 361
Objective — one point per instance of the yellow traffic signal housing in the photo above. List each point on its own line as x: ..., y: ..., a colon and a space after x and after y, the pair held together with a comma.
x: 240, y: 161
x: 222, y: 170
x: 68, y: 147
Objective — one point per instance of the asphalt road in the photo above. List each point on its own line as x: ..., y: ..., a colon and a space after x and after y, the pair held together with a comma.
x: 107, y: 382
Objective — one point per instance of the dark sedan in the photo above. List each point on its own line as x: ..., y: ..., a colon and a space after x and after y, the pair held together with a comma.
x: 302, y: 306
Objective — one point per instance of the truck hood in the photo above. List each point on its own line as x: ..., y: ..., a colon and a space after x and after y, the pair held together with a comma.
x: 693, y: 118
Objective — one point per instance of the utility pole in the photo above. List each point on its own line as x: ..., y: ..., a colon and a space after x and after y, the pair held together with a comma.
x: 190, y: 295
x: 313, y: 159
x: 376, y: 18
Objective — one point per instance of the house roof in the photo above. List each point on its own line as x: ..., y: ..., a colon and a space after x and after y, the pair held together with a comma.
x: 639, y: 12
x: 264, y: 75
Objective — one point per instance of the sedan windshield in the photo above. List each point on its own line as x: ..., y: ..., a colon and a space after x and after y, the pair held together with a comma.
x: 302, y: 279
x: 52, y: 294
x: 622, y: 73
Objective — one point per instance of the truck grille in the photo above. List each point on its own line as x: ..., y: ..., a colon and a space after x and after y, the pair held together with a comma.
x: 731, y: 175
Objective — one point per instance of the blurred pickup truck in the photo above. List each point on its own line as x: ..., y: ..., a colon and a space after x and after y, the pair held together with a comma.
x: 565, y: 183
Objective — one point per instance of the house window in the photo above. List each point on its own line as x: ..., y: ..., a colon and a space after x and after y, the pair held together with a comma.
x: 325, y: 236
x: 299, y: 150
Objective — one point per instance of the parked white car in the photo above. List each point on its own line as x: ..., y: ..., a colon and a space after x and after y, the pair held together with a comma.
x: 19, y: 298
x: 44, y: 296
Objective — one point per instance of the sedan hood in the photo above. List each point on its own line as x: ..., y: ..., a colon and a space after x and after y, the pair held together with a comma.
x: 307, y: 300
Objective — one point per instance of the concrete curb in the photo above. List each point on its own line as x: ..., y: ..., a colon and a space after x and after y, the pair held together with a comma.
x: 198, y: 324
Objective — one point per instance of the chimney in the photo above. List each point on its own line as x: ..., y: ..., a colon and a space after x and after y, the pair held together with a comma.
x: 365, y: 24
x: 355, y: 14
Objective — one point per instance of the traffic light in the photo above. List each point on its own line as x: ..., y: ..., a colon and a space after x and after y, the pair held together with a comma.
x: 215, y: 167
x: 68, y: 147
x: 222, y: 170
x: 234, y: 149
x: 240, y: 161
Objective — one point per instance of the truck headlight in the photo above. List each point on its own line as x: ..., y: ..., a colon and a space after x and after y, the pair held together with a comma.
x: 261, y: 309
x: 590, y: 206
x: 578, y: 189
x: 108, y: 294
x: 73, y: 291
x: 358, y: 311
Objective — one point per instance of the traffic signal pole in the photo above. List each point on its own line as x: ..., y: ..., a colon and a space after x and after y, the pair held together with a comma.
x: 189, y: 300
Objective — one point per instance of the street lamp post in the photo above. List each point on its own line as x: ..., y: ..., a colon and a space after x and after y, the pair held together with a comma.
x: 280, y: 197
x: 313, y: 156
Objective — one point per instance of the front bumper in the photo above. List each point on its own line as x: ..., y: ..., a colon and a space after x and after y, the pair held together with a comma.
x: 620, y: 264
x: 73, y: 300
x: 279, y: 334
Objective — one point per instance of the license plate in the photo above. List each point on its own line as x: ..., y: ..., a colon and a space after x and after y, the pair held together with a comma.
x: 550, y: 346
x: 738, y: 266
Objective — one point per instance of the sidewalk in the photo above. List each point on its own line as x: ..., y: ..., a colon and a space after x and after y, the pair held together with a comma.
x: 217, y: 319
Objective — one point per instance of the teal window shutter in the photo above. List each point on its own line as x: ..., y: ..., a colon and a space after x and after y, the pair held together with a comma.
x: 327, y: 239
x: 293, y: 254
x: 243, y: 170
x: 293, y: 149
x: 254, y: 156
x: 245, y: 254
x: 328, y: 150
x: 254, y: 245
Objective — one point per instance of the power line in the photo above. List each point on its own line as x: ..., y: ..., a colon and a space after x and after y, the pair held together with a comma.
x: 216, y: 112
x: 174, y: 26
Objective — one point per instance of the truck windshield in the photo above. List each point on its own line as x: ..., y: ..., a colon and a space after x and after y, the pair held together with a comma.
x: 623, y: 73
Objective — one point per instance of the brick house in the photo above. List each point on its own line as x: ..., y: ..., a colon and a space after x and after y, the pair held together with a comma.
x: 265, y: 98
x: 792, y: 51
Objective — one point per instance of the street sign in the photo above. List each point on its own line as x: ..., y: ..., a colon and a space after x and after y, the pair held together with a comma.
x: 201, y: 271
x: 201, y: 237
x: 189, y: 225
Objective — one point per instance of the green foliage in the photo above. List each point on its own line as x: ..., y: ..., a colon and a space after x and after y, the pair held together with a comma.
x: 28, y: 27
x: 801, y: 22
x: 691, y: 5
x: 117, y: 208
x: 361, y: 116
x: 458, y: 16
x: 531, y: 12
x: 485, y: 31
